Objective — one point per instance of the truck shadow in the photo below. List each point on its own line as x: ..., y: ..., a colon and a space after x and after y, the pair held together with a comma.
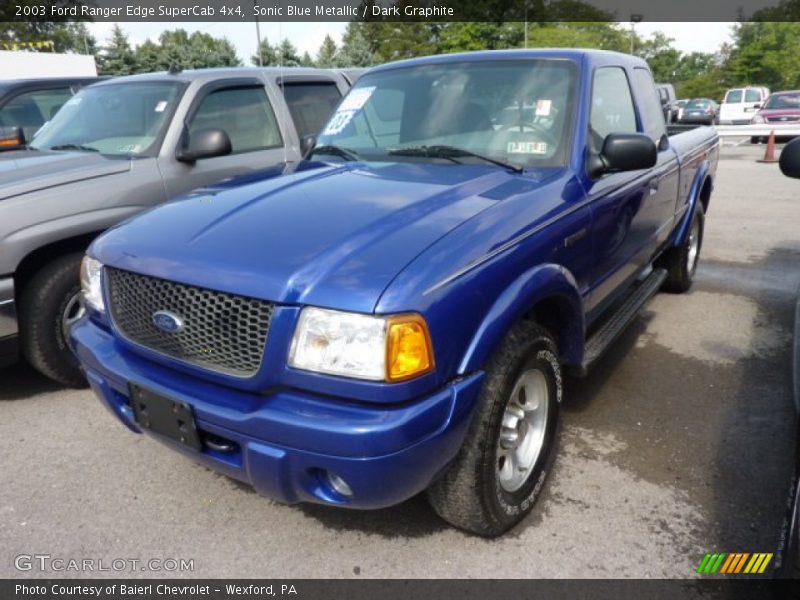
x: 20, y: 382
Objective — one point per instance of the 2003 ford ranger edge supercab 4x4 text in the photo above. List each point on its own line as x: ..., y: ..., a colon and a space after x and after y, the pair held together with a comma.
x: 394, y: 314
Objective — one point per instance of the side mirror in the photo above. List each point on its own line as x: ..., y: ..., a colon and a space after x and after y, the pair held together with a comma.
x: 307, y: 144
x: 206, y: 143
x: 756, y: 106
x: 624, y: 152
x: 12, y: 138
x: 789, y: 161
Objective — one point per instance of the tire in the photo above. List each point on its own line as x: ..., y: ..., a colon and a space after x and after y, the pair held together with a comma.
x: 681, y: 262
x: 46, y: 303
x: 475, y: 494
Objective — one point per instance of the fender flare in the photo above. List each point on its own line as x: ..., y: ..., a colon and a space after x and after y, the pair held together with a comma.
x: 699, y: 182
x: 541, y: 283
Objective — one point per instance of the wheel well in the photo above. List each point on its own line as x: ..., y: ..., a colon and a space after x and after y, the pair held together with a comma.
x: 41, y: 256
x: 556, y: 315
x: 705, y: 194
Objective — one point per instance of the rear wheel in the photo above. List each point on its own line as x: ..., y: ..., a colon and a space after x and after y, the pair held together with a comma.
x: 681, y: 262
x: 501, y: 468
x: 49, y: 306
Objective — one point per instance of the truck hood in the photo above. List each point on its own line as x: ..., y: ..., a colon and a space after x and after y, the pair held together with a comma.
x: 25, y: 171
x: 332, y: 236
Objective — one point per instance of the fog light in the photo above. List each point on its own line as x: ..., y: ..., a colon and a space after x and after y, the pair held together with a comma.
x: 338, y: 484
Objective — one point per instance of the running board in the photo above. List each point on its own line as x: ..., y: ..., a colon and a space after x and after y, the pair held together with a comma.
x: 617, y: 322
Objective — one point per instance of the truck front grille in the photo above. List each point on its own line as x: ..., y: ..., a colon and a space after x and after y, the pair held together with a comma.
x: 218, y: 331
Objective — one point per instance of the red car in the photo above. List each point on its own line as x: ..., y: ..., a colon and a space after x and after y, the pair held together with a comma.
x: 780, y: 107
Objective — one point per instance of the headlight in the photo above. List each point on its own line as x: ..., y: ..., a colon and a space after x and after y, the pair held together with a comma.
x: 758, y: 120
x: 378, y: 348
x: 91, y: 286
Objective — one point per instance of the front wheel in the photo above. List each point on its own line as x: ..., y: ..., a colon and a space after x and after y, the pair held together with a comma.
x: 501, y: 468
x: 681, y: 262
x: 49, y: 305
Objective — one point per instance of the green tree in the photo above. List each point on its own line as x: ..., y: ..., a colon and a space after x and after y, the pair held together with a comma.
x: 356, y: 50
x: 287, y: 54
x: 269, y: 54
x: 661, y: 55
x: 766, y: 54
x: 117, y: 56
x: 66, y: 37
x: 326, y: 56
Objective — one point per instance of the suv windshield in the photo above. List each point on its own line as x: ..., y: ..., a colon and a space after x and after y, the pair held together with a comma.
x: 783, y: 101
x: 121, y: 119
x: 514, y: 112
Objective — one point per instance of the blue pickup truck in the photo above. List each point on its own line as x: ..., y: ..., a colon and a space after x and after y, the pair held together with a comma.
x: 394, y: 314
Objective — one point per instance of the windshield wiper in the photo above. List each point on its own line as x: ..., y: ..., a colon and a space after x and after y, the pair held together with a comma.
x: 80, y: 147
x: 344, y: 153
x: 451, y: 153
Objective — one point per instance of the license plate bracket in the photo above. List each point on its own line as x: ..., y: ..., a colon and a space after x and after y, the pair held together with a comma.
x: 173, y: 419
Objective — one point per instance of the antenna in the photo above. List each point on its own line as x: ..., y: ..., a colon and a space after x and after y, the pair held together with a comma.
x: 283, y: 92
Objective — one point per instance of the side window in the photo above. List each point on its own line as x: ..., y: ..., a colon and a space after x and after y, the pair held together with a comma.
x: 612, y: 105
x: 30, y: 110
x: 652, y: 113
x: 245, y: 114
x: 311, y: 104
x: 752, y: 96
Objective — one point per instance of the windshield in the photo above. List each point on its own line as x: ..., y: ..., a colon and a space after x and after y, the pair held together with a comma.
x: 733, y: 97
x: 125, y: 119
x: 783, y: 101
x: 515, y: 112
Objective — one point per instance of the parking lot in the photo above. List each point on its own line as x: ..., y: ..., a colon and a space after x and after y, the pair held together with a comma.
x: 679, y: 442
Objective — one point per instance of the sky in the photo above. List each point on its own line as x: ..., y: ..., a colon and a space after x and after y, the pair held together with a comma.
x: 307, y: 37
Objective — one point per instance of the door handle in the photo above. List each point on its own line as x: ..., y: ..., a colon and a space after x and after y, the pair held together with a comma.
x: 574, y: 238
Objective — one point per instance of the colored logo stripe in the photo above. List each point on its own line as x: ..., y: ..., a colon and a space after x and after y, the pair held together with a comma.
x: 734, y: 563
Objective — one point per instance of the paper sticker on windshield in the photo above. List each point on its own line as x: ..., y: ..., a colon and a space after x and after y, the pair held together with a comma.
x: 543, y: 108
x: 339, y: 121
x: 527, y: 148
x: 356, y: 99
x: 161, y: 106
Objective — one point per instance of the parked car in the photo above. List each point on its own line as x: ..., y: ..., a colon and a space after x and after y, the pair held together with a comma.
x: 397, y: 314
x: 740, y: 104
x: 681, y: 104
x: 780, y: 107
x: 117, y: 148
x: 700, y: 110
x: 26, y: 104
x: 669, y: 101
x: 789, y: 163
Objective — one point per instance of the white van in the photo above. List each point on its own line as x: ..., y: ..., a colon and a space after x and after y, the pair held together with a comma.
x: 740, y: 104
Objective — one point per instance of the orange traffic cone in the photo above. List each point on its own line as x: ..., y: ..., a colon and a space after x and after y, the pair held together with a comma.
x: 769, y: 154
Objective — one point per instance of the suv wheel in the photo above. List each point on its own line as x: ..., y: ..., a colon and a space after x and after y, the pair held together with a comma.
x: 49, y: 305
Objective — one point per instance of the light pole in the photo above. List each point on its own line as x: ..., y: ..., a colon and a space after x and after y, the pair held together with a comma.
x: 258, y: 38
x: 635, y: 18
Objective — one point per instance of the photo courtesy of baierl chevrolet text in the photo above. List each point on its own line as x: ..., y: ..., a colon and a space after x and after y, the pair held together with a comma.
x: 399, y: 299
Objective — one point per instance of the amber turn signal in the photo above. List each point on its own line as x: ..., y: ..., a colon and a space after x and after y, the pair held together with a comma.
x: 409, y: 352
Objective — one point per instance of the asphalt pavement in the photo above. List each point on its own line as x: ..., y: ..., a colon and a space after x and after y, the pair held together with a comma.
x: 680, y: 442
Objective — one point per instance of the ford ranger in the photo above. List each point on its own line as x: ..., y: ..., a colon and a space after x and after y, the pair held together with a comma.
x: 119, y: 147
x: 396, y: 314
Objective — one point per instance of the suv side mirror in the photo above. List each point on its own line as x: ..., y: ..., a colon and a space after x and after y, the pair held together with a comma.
x: 789, y: 161
x: 624, y: 152
x: 206, y: 143
x: 307, y: 144
x: 11, y: 138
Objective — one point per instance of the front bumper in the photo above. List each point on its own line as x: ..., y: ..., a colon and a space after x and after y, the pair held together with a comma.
x: 8, y: 323
x: 285, y: 440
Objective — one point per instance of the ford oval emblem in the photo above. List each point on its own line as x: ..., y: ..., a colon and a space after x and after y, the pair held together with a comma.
x: 167, y: 321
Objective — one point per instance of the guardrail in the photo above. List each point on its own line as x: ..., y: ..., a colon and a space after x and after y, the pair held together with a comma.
x: 762, y: 130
